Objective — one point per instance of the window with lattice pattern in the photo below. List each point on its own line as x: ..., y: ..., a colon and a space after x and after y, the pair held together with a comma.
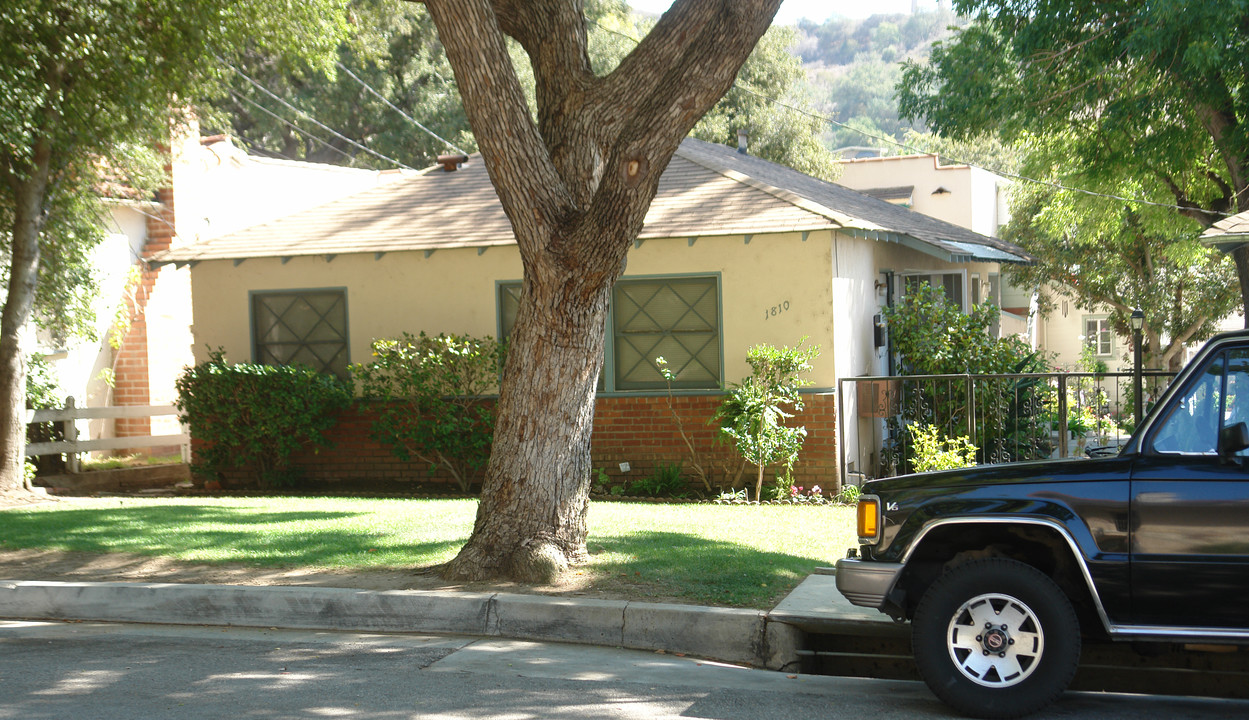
x: 676, y: 318
x: 305, y: 327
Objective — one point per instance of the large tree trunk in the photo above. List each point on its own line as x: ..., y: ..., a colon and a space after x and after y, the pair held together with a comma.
x: 29, y: 193
x: 532, y: 519
x: 576, y: 186
x: 1241, y: 257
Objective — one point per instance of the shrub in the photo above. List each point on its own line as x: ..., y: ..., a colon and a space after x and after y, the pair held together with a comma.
x: 932, y: 336
x: 43, y: 392
x: 254, y: 417
x: 432, y: 405
x: 933, y: 452
x: 753, y: 413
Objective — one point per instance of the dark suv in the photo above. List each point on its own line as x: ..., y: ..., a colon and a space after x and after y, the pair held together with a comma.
x: 1002, y: 569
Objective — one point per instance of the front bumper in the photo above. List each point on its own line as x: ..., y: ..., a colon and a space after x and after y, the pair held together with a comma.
x: 866, y: 584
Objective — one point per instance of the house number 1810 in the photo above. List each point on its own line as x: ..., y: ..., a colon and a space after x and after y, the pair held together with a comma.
x: 775, y: 310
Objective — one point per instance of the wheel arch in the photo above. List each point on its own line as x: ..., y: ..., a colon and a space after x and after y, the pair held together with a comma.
x: 1042, y: 543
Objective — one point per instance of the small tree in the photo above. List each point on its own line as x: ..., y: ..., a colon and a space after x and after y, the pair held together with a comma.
x: 254, y: 417
x: 752, y: 415
x: 432, y: 406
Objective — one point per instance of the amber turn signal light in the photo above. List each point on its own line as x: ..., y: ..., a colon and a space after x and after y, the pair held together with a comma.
x: 869, y: 519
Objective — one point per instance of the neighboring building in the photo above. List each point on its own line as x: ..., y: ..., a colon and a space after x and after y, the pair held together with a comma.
x: 216, y: 188
x: 963, y: 195
x: 735, y: 251
x: 1229, y: 234
x: 979, y: 200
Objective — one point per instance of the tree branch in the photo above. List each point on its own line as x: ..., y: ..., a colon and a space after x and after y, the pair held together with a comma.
x: 1186, y: 207
x: 532, y: 192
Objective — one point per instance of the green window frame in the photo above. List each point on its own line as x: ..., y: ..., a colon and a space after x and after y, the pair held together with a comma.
x: 676, y: 317
x: 305, y: 327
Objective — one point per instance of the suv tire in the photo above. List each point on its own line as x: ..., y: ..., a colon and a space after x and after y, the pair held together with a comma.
x: 996, y: 638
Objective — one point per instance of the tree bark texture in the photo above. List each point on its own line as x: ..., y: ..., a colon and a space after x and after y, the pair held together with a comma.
x: 576, y: 185
x: 29, y: 193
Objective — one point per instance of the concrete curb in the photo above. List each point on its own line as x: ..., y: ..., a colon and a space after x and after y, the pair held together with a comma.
x: 730, y: 635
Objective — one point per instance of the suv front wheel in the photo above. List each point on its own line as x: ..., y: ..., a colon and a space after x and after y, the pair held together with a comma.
x: 996, y: 638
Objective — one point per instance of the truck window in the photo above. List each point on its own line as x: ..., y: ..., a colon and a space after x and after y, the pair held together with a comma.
x: 1192, y: 424
x: 1236, y: 394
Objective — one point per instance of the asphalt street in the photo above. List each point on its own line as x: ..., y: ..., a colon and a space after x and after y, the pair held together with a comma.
x: 115, y: 671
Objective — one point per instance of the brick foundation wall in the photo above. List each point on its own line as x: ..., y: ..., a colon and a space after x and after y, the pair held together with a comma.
x: 637, y: 430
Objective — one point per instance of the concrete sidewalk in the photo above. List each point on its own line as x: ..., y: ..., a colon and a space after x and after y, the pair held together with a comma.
x: 753, y: 637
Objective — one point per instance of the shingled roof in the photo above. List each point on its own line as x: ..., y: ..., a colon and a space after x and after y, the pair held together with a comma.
x: 707, y: 190
x: 1229, y: 233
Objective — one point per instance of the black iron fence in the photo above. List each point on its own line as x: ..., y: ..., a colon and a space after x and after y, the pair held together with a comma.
x: 1006, y: 418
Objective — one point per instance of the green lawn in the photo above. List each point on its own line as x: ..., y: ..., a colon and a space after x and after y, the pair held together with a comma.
x: 746, y: 556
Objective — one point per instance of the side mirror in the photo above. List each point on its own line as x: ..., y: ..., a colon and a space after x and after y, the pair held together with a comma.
x: 1233, y: 439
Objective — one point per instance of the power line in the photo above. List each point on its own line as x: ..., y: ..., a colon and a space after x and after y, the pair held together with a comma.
x: 314, y: 121
x: 406, y: 116
x: 288, y: 123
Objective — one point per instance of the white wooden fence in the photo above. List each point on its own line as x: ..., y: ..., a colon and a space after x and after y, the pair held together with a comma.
x: 72, y: 445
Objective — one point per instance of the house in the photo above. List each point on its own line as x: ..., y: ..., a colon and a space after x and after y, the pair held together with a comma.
x: 978, y: 199
x: 965, y: 195
x: 214, y: 188
x: 735, y: 251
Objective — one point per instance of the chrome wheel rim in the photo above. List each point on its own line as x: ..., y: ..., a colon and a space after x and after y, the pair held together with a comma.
x: 995, y: 640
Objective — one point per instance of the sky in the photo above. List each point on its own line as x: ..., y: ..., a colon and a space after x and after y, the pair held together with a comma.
x: 817, y: 10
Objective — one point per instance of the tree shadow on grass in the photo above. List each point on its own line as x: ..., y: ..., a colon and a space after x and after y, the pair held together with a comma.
x: 208, y: 533
x: 698, y: 569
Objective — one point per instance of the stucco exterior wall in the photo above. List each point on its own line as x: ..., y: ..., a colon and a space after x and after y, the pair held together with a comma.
x: 774, y: 289
x: 967, y: 196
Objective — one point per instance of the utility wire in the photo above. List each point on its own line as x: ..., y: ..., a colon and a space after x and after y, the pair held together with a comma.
x: 314, y: 121
x: 392, y: 106
x: 289, y: 124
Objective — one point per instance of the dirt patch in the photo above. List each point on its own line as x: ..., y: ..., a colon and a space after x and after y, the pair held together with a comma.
x: 62, y: 566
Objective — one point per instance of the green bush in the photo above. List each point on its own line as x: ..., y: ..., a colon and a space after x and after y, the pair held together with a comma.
x: 43, y: 392
x: 432, y: 405
x: 932, y: 336
x: 934, y: 452
x: 665, y: 481
x: 254, y: 417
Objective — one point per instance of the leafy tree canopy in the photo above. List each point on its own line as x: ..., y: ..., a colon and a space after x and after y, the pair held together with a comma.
x: 1153, y: 91
x: 390, y: 66
x: 777, y: 133
x: 84, y: 86
x: 396, y: 53
x: 92, y: 84
x: 1118, y: 256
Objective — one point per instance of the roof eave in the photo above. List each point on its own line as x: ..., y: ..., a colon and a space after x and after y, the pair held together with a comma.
x: 1226, y: 242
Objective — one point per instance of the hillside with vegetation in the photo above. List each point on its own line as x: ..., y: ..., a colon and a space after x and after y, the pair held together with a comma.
x: 853, y: 66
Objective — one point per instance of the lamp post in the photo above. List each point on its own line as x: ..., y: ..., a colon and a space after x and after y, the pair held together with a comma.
x: 1138, y: 323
